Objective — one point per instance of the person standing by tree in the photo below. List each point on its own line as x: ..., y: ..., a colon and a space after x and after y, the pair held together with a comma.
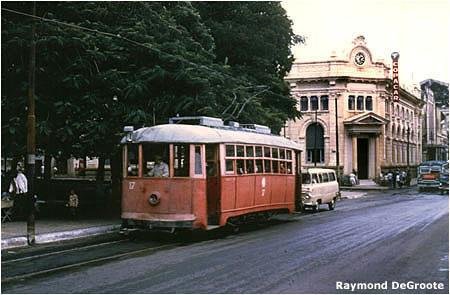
x: 18, y: 187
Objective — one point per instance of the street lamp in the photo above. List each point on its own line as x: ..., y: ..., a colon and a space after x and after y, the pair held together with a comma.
x: 407, y: 152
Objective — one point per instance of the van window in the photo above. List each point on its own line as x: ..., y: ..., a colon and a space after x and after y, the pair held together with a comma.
x: 315, y: 179
x: 325, y: 177
x: 306, y: 178
x: 320, y: 178
x: 331, y: 176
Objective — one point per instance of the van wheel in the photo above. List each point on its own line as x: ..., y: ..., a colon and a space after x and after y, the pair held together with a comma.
x: 316, y: 208
x: 331, y: 205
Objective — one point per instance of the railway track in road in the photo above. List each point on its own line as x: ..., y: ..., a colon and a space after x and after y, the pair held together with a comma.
x: 18, y: 269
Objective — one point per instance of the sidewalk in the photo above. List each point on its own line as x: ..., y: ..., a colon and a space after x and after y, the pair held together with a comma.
x: 368, y: 185
x: 14, y: 234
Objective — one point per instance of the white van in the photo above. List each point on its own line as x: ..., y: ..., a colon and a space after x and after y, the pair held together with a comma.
x: 319, y: 186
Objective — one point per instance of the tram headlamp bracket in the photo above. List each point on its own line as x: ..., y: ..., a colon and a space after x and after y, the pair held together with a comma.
x: 154, y: 198
x: 128, y: 130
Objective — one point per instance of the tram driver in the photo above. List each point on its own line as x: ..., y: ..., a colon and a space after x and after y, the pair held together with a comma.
x: 161, y: 169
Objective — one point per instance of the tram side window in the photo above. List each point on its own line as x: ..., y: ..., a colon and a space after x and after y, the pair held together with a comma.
x: 133, y: 160
x: 181, y: 160
x: 250, y: 166
x: 229, y: 166
x: 267, y: 166
x: 240, y: 166
x: 155, y: 160
x: 258, y: 151
x: 198, y: 160
x: 259, y: 166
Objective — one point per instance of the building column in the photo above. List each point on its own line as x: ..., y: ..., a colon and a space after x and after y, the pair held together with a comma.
x: 354, y: 153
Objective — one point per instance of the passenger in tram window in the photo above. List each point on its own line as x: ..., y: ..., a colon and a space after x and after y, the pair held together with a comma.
x: 283, y: 169
x: 160, y: 169
x: 250, y: 166
x: 240, y: 166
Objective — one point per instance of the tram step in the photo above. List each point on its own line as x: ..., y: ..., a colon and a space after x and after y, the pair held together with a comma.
x: 210, y: 227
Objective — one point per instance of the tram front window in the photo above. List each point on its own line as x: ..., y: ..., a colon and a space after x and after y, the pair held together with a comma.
x: 155, y: 160
x: 133, y: 160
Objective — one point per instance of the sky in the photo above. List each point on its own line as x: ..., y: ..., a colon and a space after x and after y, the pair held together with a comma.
x: 418, y: 29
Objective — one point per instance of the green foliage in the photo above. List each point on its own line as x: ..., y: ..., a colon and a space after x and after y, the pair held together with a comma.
x: 139, y: 63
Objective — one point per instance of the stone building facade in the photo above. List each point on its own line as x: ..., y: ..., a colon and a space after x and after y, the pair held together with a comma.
x: 435, y: 122
x: 348, y: 112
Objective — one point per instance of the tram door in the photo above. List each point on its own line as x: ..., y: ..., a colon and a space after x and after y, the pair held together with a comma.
x: 213, y: 183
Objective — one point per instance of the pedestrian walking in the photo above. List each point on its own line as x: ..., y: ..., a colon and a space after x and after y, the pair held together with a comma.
x: 72, y: 203
x: 18, y: 188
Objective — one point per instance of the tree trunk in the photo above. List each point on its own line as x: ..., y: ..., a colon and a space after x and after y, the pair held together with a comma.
x: 116, y: 182
x: 47, y: 168
x: 100, y: 176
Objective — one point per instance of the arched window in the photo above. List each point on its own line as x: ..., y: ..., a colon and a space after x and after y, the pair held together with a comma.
x: 304, y: 103
x: 360, y: 103
x: 314, y: 103
x: 368, y: 103
x: 315, y: 144
x: 351, y: 102
x: 324, y: 102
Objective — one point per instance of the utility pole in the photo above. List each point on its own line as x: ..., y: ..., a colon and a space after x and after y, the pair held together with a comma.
x: 31, y: 133
x: 315, y: 138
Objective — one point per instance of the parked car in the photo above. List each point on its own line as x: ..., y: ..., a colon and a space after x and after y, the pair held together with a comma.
x: 319, y: 186
x: 443, y: 179
x: 429, y: 174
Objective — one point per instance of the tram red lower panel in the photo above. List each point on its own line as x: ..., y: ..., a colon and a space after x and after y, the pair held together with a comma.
x: 179, y: 199
x: 245, y: 194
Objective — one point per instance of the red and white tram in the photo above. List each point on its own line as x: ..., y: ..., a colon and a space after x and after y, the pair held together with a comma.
x: 210, y: 174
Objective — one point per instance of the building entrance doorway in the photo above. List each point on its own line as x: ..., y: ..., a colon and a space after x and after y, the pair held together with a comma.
x: 363, y: 158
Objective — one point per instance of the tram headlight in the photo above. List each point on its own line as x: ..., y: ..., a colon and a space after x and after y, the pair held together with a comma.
x: 154, y: 198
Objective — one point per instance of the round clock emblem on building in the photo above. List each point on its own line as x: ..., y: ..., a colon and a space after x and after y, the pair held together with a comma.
x: 360, y: 58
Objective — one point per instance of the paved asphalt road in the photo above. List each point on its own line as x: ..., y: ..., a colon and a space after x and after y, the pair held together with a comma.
x: 400, y: 237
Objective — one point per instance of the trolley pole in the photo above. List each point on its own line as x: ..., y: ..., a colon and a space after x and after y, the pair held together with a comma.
x: 31, y: 133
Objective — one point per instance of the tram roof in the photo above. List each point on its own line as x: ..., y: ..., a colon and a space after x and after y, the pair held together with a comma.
x: 179, y: 133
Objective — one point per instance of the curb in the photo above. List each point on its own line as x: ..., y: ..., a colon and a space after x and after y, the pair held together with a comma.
x: 353, y: 195
x: 59, y: 236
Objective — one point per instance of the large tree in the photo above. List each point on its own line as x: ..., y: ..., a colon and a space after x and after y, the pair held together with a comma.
x: 103, y: 65
x: 119, y: 63
x: 254, y: 39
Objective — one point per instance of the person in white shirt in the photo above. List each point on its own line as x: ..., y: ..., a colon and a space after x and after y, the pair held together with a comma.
x: 18, y: 189
x: 160, y: 169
